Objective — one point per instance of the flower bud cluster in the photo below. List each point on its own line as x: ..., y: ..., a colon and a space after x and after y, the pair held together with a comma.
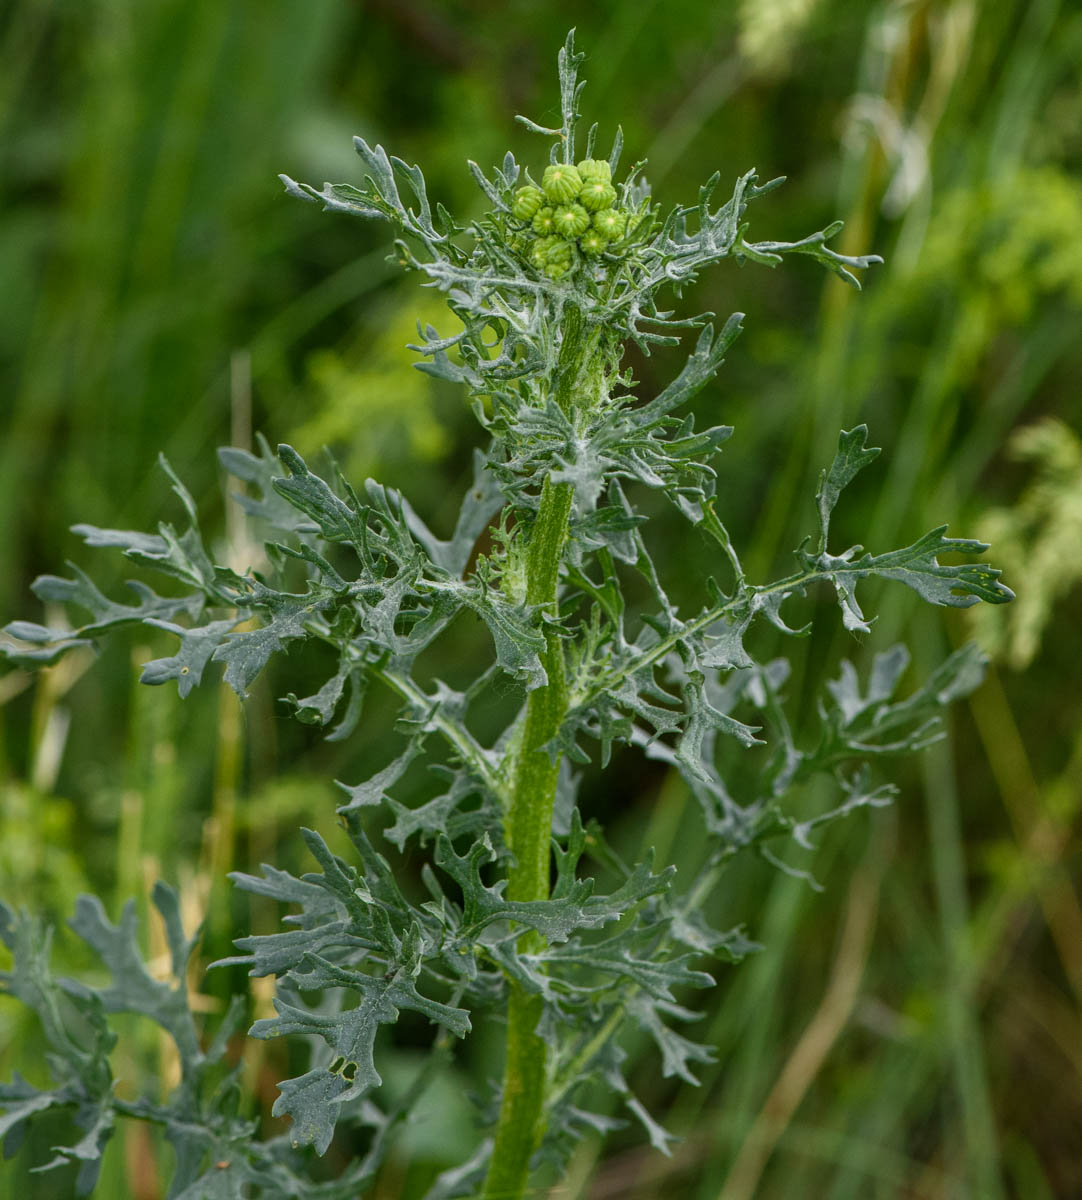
x: 573, y: 213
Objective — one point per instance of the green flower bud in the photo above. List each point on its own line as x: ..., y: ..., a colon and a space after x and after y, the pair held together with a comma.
x: 539, y: 251
x: 562, y: 183
x: 610, y: 223
x: 526, y: 202
x: 571, y: 220
x: 559, y: 258
x: 595, y: 170
x: 592, y: 242
x: 543, y: 222
x: 597, y: 195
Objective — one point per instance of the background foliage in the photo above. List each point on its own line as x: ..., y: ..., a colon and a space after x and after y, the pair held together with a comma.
x: 160, y: 292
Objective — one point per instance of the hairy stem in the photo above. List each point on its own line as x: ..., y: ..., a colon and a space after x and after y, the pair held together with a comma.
x: 529, y: 820
x: 529, y: 830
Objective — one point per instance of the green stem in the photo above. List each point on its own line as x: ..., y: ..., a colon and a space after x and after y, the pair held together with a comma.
x: 529, y: 819
x: 529, y: 832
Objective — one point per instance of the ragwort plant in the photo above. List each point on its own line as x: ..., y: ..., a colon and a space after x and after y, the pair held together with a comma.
x: 566, y: 268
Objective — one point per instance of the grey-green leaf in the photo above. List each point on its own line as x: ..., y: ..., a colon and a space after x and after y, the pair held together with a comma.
x: 853, y: 456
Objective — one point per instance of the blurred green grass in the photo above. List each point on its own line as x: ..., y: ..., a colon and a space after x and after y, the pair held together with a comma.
x: 913, y: 1030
